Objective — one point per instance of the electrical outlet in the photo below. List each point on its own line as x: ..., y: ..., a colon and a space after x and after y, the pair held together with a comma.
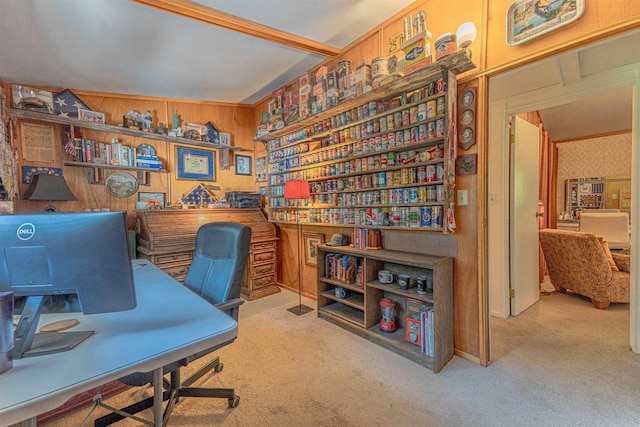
x: 463, y: 197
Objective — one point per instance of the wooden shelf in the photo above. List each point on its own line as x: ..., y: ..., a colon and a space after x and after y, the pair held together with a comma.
x: 50, y: 118
x: 364, y: 319
x: 113, y: 167
x: 355, y: 300
x: 350, y: 286
x: 456, y: 63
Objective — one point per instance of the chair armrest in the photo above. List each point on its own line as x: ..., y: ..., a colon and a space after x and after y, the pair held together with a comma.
x: 623, y: 261
x: 230, y: 305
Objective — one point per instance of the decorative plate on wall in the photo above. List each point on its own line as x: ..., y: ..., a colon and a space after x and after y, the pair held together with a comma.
x: 466, y: 117
x: 121, y: 184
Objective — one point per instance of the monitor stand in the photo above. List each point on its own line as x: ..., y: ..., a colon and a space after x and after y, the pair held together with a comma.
x: 28, y: 343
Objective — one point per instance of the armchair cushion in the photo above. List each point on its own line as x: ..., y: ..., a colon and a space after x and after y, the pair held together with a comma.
x: 607, y: 253
x: 623, y: 262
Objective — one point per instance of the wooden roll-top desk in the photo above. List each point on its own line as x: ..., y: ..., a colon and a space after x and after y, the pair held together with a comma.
x: 167, y: 238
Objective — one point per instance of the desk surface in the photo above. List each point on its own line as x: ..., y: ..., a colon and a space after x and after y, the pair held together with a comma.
x: 169, y: 322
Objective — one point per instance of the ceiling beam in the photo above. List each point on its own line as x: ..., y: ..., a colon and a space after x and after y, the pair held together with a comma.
x: 207, y: 15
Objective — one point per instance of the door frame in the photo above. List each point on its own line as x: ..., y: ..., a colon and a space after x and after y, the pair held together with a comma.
x: 499, y: 181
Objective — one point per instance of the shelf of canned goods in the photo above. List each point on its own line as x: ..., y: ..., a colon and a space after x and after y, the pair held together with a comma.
x: 382, y: 163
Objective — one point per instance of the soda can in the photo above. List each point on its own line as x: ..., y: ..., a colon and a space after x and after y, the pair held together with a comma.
x: 405, y: 195
x: 415, y: 217
x: 422, y: 194
x: 384, y: 197
x: 376, y: 126
x: 413, y: 195
x: 421, y: 174
x: 383, y: 161
x: 432, y: 193
x: 436, y: 217
x: 439, y: 171
x: 372, y: 109
x: 426, y: 216
x: 413, y: 178
x: 399, y: 138
x: 404, y: 176
x: 378, y: 143
x: 383, y: 124
x: 431, y: 173
x: 382, y: 179
x: 397, y: 195
x: 439, y: 193
x: 414, y: 134
x: 397, y: 179
x: 391, y: 158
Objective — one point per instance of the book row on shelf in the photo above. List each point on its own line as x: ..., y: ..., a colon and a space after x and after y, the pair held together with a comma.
x: 346, y: 268
x: 363, y: 238
x: 115, y: 154
x: 422, y: 217
x: 369, y: 111
x: 378, y: 163
x: 419, y: 325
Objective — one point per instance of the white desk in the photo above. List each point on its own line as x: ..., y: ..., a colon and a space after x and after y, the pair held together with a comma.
x: 170, y: 322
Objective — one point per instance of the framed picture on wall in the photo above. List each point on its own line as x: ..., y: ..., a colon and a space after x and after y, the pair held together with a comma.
x: 195, y: 164
x: 311, y: 242
x: 243, y: 165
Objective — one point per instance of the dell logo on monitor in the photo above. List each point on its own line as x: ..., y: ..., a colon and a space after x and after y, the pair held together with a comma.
x: 26, y: 231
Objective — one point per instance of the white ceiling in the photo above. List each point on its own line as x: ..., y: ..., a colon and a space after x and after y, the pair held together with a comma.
x: 118, y: 46
x: 606, y: 113
x: 122, y: 47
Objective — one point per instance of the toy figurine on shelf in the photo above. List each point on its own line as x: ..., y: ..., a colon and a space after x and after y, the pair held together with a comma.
x: 148, y: 121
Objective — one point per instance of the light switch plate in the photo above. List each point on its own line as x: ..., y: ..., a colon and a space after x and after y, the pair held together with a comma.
x: 463, y: 197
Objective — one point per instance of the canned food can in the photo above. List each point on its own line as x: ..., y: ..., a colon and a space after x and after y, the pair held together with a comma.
x: 439, y: 128
x: 422, y: 132
x: 384, y: 197
x: 391, y: 158
x: 399, y: 137
x: 439, y: 193
x: 440, y: 105
x: 426, y: 216
x: 406, y: 137
x: 439, y: 172
x: 397, y: 179
x: 397, y: 119
x: 415, y: 217
x: 397, y: 195
x: 414, y: 134
x: 372, y: 109
x: 383, y: 124
x: 391, y: 139
x: 404, y: 176
x: 369, y: 130
x: 413, y: 115
x: 390, y: 122
x: 431, y: 109
x: 406, y: 118
x: 389, y: 178
x: 376, y: 126
x: 378, y: 143
x: 383, y: 161
x: 379, y: 67
x: 422, y: 111
x: 431, y: 130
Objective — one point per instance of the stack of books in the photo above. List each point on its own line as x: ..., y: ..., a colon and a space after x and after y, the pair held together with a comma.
x: 347, y: 268
x: 364, y: 238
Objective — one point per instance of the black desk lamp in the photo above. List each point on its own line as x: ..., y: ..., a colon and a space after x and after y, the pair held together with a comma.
x: 49, y: 187
x: 296, y: 190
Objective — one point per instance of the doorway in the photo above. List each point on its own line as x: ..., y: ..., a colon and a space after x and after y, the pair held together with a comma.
x: 590, y: 71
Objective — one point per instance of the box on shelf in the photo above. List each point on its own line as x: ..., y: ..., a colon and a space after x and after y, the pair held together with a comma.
x: 417, y: 52
x: 243, y: 199
x: 412, y: 331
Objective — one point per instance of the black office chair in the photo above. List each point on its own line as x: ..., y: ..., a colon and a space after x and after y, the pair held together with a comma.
x: 215, y: 274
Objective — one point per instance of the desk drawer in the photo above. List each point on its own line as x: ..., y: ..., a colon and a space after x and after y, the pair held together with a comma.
x: 262, y: 269
x: 261, y: 257
x: 176, y: 257
x: 178, y: 272
x: 260, y: 282
x: 262, y: 245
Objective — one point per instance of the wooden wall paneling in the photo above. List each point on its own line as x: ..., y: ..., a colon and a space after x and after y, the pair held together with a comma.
x: 601, y: 18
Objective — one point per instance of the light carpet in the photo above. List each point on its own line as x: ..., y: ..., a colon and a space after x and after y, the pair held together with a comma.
x: 560, y: 363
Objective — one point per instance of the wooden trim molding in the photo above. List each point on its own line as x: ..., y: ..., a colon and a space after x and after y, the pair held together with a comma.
x: 600, y: 135
x: 207, y: 15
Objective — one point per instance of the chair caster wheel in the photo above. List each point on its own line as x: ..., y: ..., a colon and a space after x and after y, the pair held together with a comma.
x: 234, y: 402
x: 219, y: 367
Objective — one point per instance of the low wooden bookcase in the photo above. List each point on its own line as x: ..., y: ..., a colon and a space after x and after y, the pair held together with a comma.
x: 360, y: 310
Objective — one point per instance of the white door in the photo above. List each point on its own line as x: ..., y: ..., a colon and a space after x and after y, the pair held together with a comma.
x: 523, y: 237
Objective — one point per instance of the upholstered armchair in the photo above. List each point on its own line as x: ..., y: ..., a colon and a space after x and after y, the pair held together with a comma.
x: 580, y: 263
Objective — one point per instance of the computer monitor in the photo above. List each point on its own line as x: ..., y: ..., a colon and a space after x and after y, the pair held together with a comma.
x: 48, y: 254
